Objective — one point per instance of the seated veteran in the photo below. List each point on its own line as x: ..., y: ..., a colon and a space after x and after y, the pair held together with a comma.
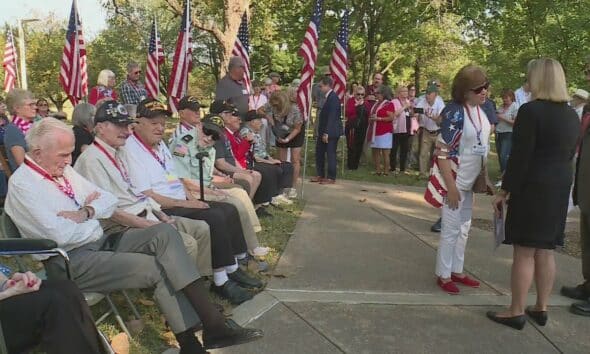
x: 50, y: 315
x: 48, y: 199
x: 152, y: 172
x: 101, y: 164
x: 185, y: 148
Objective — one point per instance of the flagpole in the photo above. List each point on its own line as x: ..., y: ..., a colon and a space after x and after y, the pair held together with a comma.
x: 306, y: 138
x: 17, y: 83
x: 343, y: 118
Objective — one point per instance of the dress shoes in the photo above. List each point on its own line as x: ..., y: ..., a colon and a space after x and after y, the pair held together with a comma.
x: 232, y: 292
x: 437, y: 226
x: 328, y: 181
x: 538, y: 316
x: 448, y: 287
x: 581, y: 308
x: 575, y: 292
x: 244, y: 280
x: 263, y: 213
x: 465, y: 280
x: 516, y: 322
x: 233, y: 334
x: 316, y: 179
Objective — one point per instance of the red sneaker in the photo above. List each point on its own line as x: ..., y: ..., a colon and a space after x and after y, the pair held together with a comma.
x: 467, y: 281
x: 448, y: 287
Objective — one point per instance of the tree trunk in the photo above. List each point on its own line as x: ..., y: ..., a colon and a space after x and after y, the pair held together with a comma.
x: 417, y: 75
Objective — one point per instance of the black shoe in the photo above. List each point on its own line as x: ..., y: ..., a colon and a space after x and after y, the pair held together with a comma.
x: 244, y: 280
x: 436, y: 226
x: 516, y: 322
x: 575, y: 292
x: 263, y: 213
x: 581, y: 308
x: 233, y: 335
x: 232, y: 292
x: 538, y: 316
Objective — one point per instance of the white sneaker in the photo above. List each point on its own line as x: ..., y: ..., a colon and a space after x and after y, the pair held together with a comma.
x: 280, y: 199
x: 498, y: 184
x: 260, y: 251
x: 292, y: 194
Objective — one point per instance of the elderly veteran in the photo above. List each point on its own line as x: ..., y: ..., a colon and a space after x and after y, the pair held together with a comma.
x: 102, y: 164
x: 153, y: 173
x: 48, y: 199
x: 200, y: 140
x: 189, y: 114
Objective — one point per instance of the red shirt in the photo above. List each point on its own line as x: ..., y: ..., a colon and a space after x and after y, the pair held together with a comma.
x: 382, y: 110
x: 350, y: 111
x: 239, y: 147
x: 97, y: 93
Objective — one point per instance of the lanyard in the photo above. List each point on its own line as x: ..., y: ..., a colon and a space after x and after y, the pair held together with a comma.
x: 66, y: 188
x: 376, y: 108
x: 477, y: 132
x: 185, y: 126
x: 151, y: 151
x: 120, y: 168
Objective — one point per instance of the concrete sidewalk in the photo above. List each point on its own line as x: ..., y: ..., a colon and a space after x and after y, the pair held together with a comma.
x: 358, y: 277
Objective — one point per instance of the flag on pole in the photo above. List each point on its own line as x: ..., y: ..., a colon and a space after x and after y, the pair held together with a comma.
x: 242, y: 49
x: 73, y: 73
x: 9, y: 62
x: 309, y: 52
x: 339, y: 61
x: 182, y: 63
x: 155, y: 58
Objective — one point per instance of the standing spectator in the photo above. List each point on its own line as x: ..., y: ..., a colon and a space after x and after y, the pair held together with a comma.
x: 104, y: 89
x: 266, y: 89
x: 402, y: 127
x: 258, y: 99
x: 357, y: 119
x: 506, y: 116
x: 319, y: 98
x: 380, y: 130
x: 461, y: 152
x: 83, y: 122
x: 132, y: 90
x: 579, y: 100
x: 537, y: 181
x: 416, y: 138
x: 431, y: 107
x: 231, y: 87
x: 23, y: 106
x: 350, y: 90
x: 274, y: 86
x: 372, y: 89
x: 489, y: 107
x: 522, y: 95
x: 329, y: 131
x: 43, y: 108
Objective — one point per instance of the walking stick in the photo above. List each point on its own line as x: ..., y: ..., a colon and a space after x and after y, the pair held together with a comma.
x: 200, y: 156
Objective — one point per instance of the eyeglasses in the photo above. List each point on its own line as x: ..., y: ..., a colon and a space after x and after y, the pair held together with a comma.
x: 360, y: 95
x: 478, y: 89
x: 212, y: 133
x: 137, y: 72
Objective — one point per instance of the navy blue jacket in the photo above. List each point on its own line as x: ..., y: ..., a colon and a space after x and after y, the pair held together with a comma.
x: 330, y: 121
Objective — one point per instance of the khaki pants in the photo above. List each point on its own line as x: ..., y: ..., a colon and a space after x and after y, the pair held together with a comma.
x: 427, y: 144
x: 197, y: 240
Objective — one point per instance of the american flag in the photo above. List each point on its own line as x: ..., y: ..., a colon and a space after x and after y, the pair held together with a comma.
x: 309, y: 51
x: 9, y: 63
x: 242, y: 48
x: 155, y: 58
x: 339, y: 61
x: 183, y: 59
x: 73, y: 73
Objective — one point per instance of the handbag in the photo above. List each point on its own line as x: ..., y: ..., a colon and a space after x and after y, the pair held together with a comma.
x: 482, y: 183
x: 280, y: 130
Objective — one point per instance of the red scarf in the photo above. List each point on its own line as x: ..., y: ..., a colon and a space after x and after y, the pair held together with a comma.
x: 239, y: 147
x: 22, y: 124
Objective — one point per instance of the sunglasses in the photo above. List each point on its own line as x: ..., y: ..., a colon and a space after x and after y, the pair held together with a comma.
x: 360, y: 95
x: 212, y: 133
x: 478, y: 89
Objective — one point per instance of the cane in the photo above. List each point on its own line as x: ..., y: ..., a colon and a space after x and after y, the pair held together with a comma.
x: 200, y: 156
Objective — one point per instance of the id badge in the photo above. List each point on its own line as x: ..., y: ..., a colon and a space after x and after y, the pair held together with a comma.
x: 244, y: 92
x: 479, y: 150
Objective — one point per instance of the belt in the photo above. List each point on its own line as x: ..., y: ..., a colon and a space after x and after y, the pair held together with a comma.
x: 433, y: 131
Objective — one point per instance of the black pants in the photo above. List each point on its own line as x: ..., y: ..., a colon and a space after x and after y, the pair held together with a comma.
x: 401, y: 143
x: 323, y: 151
x: 55, y: 317
x: 227, y: 237
x: 269, y: 186
x: 355, y: 139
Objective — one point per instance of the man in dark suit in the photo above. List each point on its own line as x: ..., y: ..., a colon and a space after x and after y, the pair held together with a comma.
x: 329, y: 131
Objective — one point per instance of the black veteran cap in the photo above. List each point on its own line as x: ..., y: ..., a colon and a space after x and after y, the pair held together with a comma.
x: 220, y: 106
x: 112, y: 111
x: 152, y: 108
x: 252, y: 114
x: 189, y: 102
x: 213, y: 122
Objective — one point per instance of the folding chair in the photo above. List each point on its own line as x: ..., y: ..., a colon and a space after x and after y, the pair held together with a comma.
x: 10, y: 232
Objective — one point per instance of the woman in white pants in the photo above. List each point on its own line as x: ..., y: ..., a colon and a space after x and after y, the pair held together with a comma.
x: 461, y: 152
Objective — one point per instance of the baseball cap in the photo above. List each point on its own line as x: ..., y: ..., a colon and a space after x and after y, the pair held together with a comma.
x: 252, y: 114
x: 189, y: 102
x: 220, y: 106
x: 152, y: 108
x: 213, y: 122
x: 112, y: 111
x: 432, y: 88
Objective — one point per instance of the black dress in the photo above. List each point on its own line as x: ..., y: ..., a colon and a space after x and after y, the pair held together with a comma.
x: 83, y: 137
x: 539, y: 173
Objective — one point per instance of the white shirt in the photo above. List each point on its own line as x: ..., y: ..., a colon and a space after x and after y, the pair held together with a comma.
x: 147, y: 173
x: 434, y: 110
x: 521, y: 97
x: 33, y: 203
x: 257, y: 102
x: 469, y: 163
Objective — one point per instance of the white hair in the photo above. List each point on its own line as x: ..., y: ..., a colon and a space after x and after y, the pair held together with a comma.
x: 43, y: 130
x: 16, y: 97
x: 103, y: 77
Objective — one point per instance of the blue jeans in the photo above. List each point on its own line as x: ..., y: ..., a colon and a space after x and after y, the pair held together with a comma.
x: 503, y: 147
x: 321, y: 150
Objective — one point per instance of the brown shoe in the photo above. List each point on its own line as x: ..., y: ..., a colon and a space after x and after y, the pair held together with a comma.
x: 327, y: 181
x: 316, y: 179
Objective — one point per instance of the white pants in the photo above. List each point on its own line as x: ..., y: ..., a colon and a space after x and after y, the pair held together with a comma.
x: 453, y: 236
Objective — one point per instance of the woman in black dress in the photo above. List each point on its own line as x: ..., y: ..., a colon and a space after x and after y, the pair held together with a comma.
x: 83, y: 121
x: 536, y: 186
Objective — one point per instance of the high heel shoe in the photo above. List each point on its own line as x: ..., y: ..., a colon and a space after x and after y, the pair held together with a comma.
x: 516, y: 322
x: 538, y: 316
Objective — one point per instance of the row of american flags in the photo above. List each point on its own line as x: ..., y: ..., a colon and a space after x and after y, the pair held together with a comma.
x: 73, y: 75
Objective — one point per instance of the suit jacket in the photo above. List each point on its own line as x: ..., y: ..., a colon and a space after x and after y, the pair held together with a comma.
x: 329, y: 121
x: 582, y: 183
